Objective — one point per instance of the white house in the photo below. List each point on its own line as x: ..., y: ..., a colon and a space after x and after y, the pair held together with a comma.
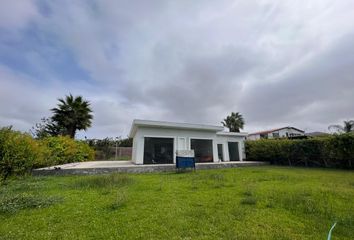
x: 157, y: 142
x: 284, y: 132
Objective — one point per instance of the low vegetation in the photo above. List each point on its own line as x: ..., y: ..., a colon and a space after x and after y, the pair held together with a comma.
x: 243, y: 203
x: 331, y: 151
x: 105, y: 149
x: 19, y: 152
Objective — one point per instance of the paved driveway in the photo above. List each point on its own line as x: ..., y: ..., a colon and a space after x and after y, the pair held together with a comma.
x: 92, y: 164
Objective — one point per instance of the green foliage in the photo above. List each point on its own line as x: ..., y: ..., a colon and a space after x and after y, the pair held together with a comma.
x: 63, y: 149
x: 46, y: 128
x: 125, y: 142
x: 234, y: 122
x: 72, y: 114
x: 105, y: 148
x: 348, y: 126
x: 331, y: 151
x: 19, y: 152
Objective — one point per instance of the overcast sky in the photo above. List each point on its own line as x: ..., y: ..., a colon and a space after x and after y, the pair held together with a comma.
x: 279, y: 63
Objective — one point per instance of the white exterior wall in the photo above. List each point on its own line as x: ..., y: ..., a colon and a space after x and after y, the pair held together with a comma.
x: 182, y: 139
x: 224, y: 141
x: 179, y: 136
x: 282, y: 134
x: 254, y: 137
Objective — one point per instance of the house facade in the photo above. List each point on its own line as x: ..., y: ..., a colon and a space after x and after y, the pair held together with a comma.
x: 285, y: 132
x: 156, y: 142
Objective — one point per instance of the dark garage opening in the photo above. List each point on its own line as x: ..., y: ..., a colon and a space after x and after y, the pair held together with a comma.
x: 203, y: 150
x: 233, y: 151
x: 158, y: 150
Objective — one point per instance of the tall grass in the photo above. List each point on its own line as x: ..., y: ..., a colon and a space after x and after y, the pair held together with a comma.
x: 113, y: 180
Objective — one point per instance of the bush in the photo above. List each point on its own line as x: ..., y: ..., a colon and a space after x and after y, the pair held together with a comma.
x: 63, y: 149
x: 332, y: 151
x: 20, y: 153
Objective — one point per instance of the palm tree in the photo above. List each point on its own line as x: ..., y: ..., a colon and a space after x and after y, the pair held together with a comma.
x: 72, y: 114
x: 234, y: 122
x: 347, y: 127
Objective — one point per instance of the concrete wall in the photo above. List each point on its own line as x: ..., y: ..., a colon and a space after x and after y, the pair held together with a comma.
x: 182, y: 139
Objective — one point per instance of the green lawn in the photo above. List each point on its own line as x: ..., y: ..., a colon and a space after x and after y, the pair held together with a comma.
x: 242, y: 203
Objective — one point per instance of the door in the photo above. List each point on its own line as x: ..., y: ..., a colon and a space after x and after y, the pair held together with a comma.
x: 182, y: 143
x: 220, y: 152
x: 158, y: 150
x: 233, y: 151
x: 203, y: 150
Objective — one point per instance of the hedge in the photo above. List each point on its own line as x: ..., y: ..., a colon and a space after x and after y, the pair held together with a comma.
x: 20, y: 153
x: 333, y: 151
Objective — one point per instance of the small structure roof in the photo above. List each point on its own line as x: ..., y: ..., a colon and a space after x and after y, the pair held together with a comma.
x: 273, y: 130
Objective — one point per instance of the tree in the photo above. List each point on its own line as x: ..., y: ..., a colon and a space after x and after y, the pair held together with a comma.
x: 348, y: 126
x: 234, y: 122
x: 45, y: 128
x: 72, y: 114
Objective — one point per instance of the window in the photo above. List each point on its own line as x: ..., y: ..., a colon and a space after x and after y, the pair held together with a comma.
x: 264, y: 135
x: 158, y: 150
x: 203, y: 150
x: 220, y: 153
x: 275, y: 135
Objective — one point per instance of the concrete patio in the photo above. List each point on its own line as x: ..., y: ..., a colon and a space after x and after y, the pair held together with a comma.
x: 99, y: 167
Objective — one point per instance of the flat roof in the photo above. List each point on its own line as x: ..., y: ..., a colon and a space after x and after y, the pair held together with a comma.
x: 174, y: 125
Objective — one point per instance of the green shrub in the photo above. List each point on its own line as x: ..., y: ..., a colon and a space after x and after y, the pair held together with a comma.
x: 63, y: 149
x: 20, y: 153
x: 332, y: 151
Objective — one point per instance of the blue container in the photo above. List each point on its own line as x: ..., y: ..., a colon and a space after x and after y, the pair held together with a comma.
x: 185, y: 162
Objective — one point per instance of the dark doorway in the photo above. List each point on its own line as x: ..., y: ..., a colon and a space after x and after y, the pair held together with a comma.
x: 158, y: 150
x: 233, y: 151
x: 220, y: 152
x: 203, y: 150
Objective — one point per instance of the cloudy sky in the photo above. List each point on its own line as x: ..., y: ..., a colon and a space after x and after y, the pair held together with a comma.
x: 279, y: 63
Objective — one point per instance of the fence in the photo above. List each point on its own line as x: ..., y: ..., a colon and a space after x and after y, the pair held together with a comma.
x: 113, y: 153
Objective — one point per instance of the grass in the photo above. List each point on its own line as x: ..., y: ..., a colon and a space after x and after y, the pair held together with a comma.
x: 243, y: 203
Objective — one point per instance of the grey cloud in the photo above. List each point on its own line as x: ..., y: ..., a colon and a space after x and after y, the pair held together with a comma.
x: 323, y: 84
x: 278, y: 63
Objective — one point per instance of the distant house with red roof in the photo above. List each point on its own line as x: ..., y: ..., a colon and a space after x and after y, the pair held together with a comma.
x: 284, y: 132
